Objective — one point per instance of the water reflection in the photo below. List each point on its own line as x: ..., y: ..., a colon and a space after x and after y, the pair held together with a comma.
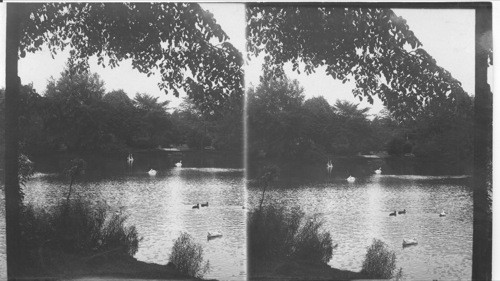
x: 355, y: 213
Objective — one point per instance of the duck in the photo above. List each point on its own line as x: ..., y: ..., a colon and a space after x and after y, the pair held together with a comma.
x: 178, y: 164
x: 393, y: 214
x: 329, y: 164
x: 204, y: 205
x: 351, y: 179
x: 402, y: 212
x: 213, y: 234
x: 197, y: 206
x: 152, y: 172
x: 378, y: 171
x: 409, y: 242
x: 442, y: 214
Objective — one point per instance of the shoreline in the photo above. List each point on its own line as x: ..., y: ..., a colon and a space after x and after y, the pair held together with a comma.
x: 58, y: 265
x: 300, y: 270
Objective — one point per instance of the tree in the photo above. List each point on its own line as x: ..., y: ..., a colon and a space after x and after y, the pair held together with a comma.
x: 274, y: 110
x: 339, y: 129
x: 76, y: 117
x: 371, y: 46
x: 172, y: 38
x: 318, y: 122
x: 76, y: 88
x: 122, y: 117
x: 353, y: 128
x: 155, y: 124
x: 445, y: 135
x: 385, y: 130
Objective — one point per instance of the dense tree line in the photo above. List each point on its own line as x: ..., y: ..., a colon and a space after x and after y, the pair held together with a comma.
x: 283, y: 124
x: 76, y: 113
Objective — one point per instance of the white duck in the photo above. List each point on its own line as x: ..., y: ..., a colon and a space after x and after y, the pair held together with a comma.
x: 178, y: 164
x: 351, y: 179
x: 442, y: 214
x: 152, y: 172
x: 378, y: 171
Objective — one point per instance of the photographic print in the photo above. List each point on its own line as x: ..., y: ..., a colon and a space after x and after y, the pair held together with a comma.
x: 129, y: 141
x: 362, y: 142
x: 246, y: 141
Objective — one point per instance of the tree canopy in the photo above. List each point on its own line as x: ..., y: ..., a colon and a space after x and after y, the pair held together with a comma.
x: 372, y: 46
x: 181, y: 41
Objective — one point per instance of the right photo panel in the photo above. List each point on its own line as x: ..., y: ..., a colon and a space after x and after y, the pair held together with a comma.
x: 368, y: 139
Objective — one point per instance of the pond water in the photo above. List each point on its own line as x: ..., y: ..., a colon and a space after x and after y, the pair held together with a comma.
x: 160, y: 206
x: 356, y: 213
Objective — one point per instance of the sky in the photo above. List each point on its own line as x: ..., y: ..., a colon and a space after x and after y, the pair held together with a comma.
x: 448, y: 35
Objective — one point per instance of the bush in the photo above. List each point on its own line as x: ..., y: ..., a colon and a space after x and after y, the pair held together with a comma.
x: 187, y: 256
x: 77, y: 227
x: 278, y: 233
x: 379, y: 262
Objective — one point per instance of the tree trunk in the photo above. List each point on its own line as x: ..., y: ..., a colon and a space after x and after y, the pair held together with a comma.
x: 13, y: 199
x: 482, y: 228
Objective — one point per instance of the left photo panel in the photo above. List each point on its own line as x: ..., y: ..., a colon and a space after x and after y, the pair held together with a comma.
x: 121, y: 141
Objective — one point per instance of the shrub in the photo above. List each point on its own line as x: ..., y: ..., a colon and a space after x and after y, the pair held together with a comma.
x: 77, y: 227
x: 379, y: 262
x: 187, y: 256
x: 278, y: 233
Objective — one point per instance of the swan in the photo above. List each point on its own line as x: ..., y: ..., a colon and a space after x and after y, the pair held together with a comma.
x: 378, y: 171
x: 442, y: 214
x: 402, y: 212
x: 351, y: 179
x: 213, y: 234
x: 130, y: 159
x: 178, y: 164
x: 329, y: 166
x: 393, y: 214
x: 204, y: 205
x: 152, y: 172
x: 197, y: 206
x: 409, y: 242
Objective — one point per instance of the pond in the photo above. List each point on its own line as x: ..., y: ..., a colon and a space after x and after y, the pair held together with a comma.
x: 160, y: 206
x: 356, y: 213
